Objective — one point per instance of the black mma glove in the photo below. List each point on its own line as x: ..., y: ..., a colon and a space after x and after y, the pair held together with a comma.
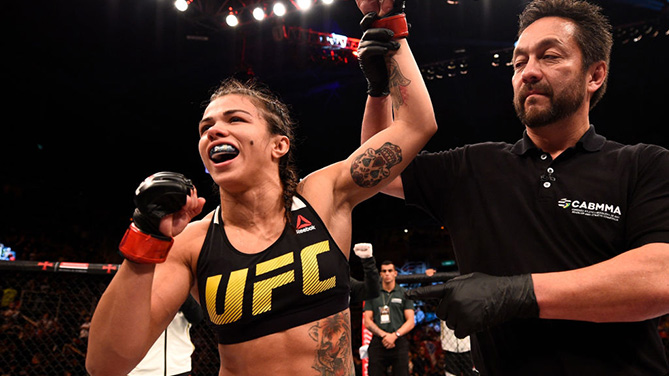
x: 158, y: 195
x: 375, y: 45
x: 476, y: 301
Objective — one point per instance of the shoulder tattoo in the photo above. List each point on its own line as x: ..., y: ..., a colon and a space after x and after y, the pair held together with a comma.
x: 372, y: 166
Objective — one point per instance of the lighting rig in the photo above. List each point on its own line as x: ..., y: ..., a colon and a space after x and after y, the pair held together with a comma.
x: 238, y: 13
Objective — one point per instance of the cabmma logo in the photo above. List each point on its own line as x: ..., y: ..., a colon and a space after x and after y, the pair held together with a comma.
x: 303, y: 225
x: 591, y: 209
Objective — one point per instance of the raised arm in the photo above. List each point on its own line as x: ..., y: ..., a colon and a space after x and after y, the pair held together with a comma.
x: 379, y: 107
x: 378, y: 116
x: 382, y: 157
x: 370, y: 287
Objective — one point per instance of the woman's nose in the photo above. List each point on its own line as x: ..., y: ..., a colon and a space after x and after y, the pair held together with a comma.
x: 217, y: 131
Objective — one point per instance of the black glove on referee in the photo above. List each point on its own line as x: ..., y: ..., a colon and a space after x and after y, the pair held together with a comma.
x: 375, y: 45
x: 476, y: 301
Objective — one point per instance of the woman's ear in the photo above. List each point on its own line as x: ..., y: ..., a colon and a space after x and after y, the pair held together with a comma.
x: 280, y: 146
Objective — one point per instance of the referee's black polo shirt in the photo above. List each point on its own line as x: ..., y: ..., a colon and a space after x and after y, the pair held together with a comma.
x: 512, y: 209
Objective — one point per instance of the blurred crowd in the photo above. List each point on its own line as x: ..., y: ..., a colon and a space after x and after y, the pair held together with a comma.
x: 45, y: 319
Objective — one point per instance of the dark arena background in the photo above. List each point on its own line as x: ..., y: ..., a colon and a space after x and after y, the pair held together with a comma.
x: 102, y: 93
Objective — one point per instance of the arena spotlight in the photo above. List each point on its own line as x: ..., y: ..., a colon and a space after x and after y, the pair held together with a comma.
x: 464, y: 67
x: 279, y: 9
x: 232, y: 20
x: 181, y: 5
x: 327, y: 2
x: 495, y: 60
x: 259, y: 13
x: 304, y: 4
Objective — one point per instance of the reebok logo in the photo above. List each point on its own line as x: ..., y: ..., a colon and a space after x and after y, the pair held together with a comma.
x: 302, y: 222
x: 591, y: 209
x: 303, y: 225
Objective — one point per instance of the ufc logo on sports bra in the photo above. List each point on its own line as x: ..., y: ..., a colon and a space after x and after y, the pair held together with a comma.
x: 262, y: 289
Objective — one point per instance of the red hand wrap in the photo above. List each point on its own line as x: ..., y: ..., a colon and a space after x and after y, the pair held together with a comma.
x: 143, y: 248
x: 397, y: 23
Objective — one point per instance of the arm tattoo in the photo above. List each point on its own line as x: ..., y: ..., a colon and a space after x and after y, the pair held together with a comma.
x: 372, y: 166
x: 333, y: 338
x: 397, y: 84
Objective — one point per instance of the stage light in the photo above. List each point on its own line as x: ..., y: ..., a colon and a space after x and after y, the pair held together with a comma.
x: 464, y: 67
x: 258, y: 13
x: 304, y: 4
x: 279, y: 9
x: 328, y: 2
x: 451, y: 69
x: 495, y: 60
x: 181, y: 5
x: 232, y: 20
x: 439, y: 72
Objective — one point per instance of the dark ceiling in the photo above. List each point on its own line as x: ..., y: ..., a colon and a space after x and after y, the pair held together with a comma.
x: 102, y: 93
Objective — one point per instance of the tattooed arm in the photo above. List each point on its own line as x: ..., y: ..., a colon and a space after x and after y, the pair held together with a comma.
x: 378, y: 116
x: 374, y: 46
x: 383, y: 155
x: 336, y: 189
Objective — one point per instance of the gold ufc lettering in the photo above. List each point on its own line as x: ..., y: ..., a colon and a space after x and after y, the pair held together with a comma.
x: 311, y: 285
x: 262, y: 290
x: 234, y: 297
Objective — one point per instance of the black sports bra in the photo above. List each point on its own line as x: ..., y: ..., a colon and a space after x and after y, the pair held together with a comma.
x: 302, y: 277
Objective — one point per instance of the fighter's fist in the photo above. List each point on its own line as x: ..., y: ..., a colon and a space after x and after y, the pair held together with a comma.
x: 162, y: 193
x: 363, y: 250
x: 164, y: 201
x: 375, y: 46
x: 380, y: 7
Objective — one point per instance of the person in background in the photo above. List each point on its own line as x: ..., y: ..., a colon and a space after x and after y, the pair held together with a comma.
x: 390, y: 317
x: 369, y: 287
x: 171, y: 354
x: 457, y: 351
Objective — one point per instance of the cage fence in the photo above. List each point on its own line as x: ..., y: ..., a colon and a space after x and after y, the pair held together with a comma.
x: 46, y: 310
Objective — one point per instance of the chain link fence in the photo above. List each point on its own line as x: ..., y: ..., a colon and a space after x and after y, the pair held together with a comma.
x: 46, y: 316
x: 46, y: 309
